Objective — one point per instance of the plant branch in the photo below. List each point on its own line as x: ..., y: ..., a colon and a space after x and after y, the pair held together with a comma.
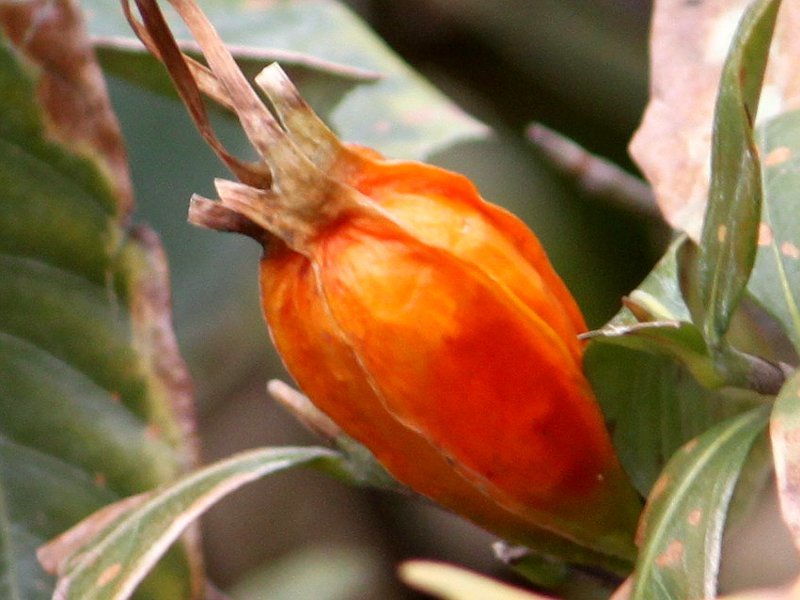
x: 596, y: 175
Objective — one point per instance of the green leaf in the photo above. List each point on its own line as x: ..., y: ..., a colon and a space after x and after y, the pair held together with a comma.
x: 39, y: 496
x: 94, y: 398
x: 656, y: 319
x: 653, y: 406
x: 324, y: 83
x: 399, y: 113
x: 682, y: 527
x: 110, y: 563
x: 785, y: 437
x: 660, y: 295
x: 730, y: 229
x: 776, y: 276
x: 654, y: 376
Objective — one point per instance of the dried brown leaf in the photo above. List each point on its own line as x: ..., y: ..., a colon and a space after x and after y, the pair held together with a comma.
x: 157, y: 345
x: 71, y: 89
x: 790, y: 591
x: 689, y: 42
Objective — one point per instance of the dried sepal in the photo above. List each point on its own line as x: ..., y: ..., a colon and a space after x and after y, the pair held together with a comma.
x: 157, y: 37
x: 290, y: 183
x: 259, y: 125
x: 211, y: 214
x: 205, y: 78
x: 308, y: 132
x: 301, y: 407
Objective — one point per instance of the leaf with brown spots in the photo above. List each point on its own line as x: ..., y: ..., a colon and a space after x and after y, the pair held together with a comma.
x: 96, y: 402
x: 115, y: 550
x: 70, y: 88
x: 688, y: 46
x: 775, y: 281
x: 785, y: 436
x: 680, y: 534
x: 730, y: 229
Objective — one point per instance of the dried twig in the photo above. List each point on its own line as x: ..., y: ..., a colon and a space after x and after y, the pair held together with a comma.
x: 598, y: 176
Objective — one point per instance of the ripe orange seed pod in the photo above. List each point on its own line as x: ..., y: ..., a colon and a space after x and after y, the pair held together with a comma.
x: 425, y: 322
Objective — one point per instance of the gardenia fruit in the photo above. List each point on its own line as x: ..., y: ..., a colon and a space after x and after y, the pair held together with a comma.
x: 424, y: 321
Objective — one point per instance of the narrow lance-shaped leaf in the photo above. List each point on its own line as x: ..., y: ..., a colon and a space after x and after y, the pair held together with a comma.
x: 730, y: 229
x: 116, y: 556
x: 785, y: 436
x: 775, y: 281
x: 681, y: 530
x: 95, y: 401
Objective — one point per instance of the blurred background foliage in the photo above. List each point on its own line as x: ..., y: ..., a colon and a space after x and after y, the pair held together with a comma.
x: 578, y: 66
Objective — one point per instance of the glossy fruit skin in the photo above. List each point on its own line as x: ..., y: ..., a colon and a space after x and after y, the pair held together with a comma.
x: 425, y: 322
x: 441, y: 338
